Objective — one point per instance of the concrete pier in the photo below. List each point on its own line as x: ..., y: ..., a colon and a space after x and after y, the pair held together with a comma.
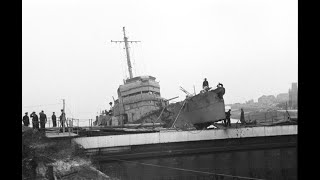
x: 163, y: 137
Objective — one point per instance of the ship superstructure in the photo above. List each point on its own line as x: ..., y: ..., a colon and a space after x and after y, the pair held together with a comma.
x: 136, y: 97
x: 139, y: 101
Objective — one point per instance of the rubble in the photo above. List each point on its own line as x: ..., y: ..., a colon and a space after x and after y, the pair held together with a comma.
x: 39, y: 153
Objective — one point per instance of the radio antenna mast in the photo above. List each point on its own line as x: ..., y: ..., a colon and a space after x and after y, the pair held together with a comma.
x: 125, y: 40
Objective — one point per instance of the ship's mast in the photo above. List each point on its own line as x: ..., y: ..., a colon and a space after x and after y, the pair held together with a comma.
x: 125, y: 40
x: 127, y: 51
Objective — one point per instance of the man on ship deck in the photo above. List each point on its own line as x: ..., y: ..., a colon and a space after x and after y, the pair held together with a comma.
x: 205, y: 84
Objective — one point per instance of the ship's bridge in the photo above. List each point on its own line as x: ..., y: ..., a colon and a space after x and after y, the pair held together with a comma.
x: 145, y: 86
x: 138, y: 96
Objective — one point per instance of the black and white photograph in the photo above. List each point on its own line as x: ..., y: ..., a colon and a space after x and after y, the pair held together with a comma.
x: 159, y: 90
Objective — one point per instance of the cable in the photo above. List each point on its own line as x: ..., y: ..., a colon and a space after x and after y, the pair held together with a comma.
x: 189, y: 170
x: 142, y: 60
x: 41, y: 105
x: 69, y: 111
x: 122, y: 57
x: 134, y: 61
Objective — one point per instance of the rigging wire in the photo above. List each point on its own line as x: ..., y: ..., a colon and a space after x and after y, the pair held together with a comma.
x: 69, y: 111
x: 41, y: 105
x: 144, y: 69
x: 134, y: 60
x: 183, y: 169
x: 121, y: 59
x: 124, y: 60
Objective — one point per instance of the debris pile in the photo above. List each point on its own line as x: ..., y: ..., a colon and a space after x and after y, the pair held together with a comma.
x: 40, y: 155
x: 167, y: 115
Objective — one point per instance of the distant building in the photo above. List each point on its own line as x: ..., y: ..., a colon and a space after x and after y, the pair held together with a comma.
x: 293, y: 96
x: 267, y: 99
x: 283, y: 97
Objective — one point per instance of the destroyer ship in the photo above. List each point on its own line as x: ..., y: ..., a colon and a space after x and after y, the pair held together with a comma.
x: 139, y: 102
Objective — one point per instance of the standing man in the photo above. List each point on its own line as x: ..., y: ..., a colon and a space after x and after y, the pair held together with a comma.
x: 43, y: 120
x: 228, y: 115
x: 26, y: 119
x: 205, y: 84
x: 225, y: 121
x: 242, y: 117
x: 62, y: 118
x: 54, y: 120
x: 35, y: 120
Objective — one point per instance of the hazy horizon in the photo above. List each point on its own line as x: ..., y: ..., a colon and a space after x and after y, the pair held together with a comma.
x: 250, y: 46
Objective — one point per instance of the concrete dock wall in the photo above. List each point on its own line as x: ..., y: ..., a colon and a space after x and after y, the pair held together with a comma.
x: 182, y: 136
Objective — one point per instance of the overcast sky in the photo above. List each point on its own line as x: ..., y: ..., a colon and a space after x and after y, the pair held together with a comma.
x: 251, y: 46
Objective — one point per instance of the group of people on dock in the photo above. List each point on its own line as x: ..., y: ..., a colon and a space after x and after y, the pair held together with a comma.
x: 227, y: 121
x: 43, y: 120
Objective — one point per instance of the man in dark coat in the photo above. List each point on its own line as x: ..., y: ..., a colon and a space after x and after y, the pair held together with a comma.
x: 228, y: 115
x: 43, y: 120
x: 205, y: 84
x: 62, y: 118
x: 242, y: 120
x: 54, y: 120
x: 225, y: 121
x: 222, y: 90
x: 35, y: 120
x: 26, y: 119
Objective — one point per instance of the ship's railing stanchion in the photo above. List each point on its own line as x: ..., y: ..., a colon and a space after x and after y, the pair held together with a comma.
x: 59, y: 124
x: 68, y: 125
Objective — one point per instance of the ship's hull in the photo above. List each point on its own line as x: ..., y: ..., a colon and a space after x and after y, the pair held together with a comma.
x: 204, y: 109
